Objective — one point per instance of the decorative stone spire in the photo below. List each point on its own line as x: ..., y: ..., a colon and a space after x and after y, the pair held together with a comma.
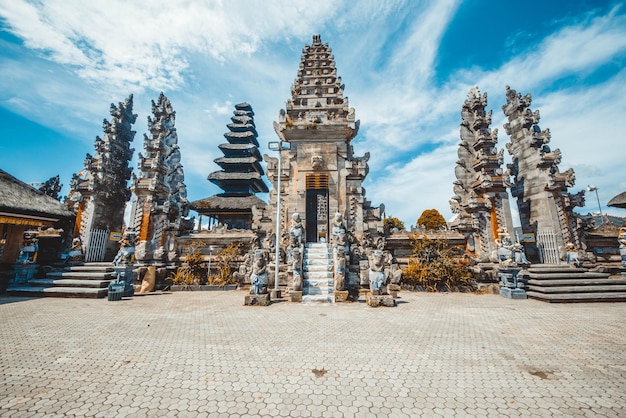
x: 160, y: 192
x: 317, y: 100
x: 100, y: 191
x: 545, y: 206
x: 481, y: 199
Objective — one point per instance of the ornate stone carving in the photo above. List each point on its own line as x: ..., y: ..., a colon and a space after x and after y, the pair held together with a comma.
x: 100, y: 191
x: 538, y: 185
x: 480, y: 198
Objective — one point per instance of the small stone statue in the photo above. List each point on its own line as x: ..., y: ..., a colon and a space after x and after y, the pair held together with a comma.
x: 126, y: 254
x: 296, y: 267
x: 377, y: 272
x: 621, y: 238
x: 296, y: 231
x: 340, y: 268
x: 572, y: 254
x: 510, y: 254
x: 258, y: 276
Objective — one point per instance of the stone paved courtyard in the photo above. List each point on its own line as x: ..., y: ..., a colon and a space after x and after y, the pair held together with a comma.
x: 204, y: 354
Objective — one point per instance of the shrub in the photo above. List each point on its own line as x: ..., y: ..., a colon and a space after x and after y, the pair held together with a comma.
x: 225, y: 259
x: 436, y: 267
x: 193, y: 271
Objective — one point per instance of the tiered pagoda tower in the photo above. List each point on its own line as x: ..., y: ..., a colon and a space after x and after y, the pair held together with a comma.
x: 100, y: 191
x: 320, y: 174
x: 160, y: 202
x: 545, y: 206
x: 241, y: 175
x: 481, y: 200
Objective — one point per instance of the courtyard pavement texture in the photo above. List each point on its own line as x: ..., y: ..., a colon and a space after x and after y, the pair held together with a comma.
x: 199, y: 354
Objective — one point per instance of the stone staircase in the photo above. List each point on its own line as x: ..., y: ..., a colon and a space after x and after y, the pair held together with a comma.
x: 318, y: 274
x: 89, y: 280
x: 562, y: 283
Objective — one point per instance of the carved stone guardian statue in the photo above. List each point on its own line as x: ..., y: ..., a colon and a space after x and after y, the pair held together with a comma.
x: 258, y: 276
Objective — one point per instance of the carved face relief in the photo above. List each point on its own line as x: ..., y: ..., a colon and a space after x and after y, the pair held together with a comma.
x: 317, y: 162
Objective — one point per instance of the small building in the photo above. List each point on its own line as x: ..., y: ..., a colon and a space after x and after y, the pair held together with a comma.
x: 24, y: 208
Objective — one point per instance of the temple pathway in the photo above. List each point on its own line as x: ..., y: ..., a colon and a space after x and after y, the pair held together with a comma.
x: 194, y: 354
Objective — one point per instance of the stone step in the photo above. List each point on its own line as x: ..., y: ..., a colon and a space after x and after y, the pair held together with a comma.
x: 86, y: 275
x: 568, y: 275
x: 91, y: 268
x: 308, y: 255
x: 577, y: 282
x: 317, y: 245
x: 318, y: 298
x: 317, y: 275
x: 578, y: 289
x: 66, y: 292
x: 318, y: 282
x: 318, y: 267
x: 318, y: 291
x: 578, y: 297
x: 48, y: 282
x: 555, y: 268
x: 317, y: 261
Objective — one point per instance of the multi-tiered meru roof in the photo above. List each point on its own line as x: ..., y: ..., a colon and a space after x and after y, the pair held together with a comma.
x: 241, y: 175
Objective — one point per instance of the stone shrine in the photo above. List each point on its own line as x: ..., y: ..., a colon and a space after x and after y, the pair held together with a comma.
x: 99, y: 193
x: 160, y: 196
x: 481, y: 200
x: 541, y: 189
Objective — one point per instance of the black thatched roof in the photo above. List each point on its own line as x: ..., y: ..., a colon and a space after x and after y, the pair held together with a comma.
x: 17, y: 197
x: 224, y: 203
x: 618, y: 201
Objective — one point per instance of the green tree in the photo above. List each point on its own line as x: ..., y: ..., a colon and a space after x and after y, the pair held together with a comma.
x: 390, y: 223
x: 431, y: 219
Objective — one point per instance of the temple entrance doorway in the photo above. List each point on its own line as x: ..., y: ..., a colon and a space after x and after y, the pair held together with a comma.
x: 317, y: 208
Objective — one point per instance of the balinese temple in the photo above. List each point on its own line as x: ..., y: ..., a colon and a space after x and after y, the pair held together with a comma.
x: 481, y: 202
x: 320, y: 175
x: 541, y: 189
x: 241, y: 176
x: 100, y: 191
x: 160, y: 195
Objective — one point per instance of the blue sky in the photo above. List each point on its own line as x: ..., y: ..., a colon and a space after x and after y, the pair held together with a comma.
x: 407, y: 67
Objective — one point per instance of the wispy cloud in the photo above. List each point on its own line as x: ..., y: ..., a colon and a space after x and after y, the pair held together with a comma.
x: 206, y: 56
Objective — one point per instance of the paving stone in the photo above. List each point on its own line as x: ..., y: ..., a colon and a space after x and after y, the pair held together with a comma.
x: 205, y: 354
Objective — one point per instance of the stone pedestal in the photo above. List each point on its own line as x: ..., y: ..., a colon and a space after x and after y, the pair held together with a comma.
x: 513, y: 293
x: 393, y: 290
x: 124, y: 275
x: 295, y: 296
x: 23, y: 273
x: 363, y: 293
x: 260, y: 300
x: 379, y: 300
x: 510, y: 287
x: 275, y: 294
x: 341, y: 295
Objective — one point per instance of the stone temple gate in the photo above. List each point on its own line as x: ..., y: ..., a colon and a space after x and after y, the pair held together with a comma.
x: 320, y: 175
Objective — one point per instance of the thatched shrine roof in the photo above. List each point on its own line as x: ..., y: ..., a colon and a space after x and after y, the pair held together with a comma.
x: 17, y: 197
x: 618, y: 201
x: 227, y: 203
